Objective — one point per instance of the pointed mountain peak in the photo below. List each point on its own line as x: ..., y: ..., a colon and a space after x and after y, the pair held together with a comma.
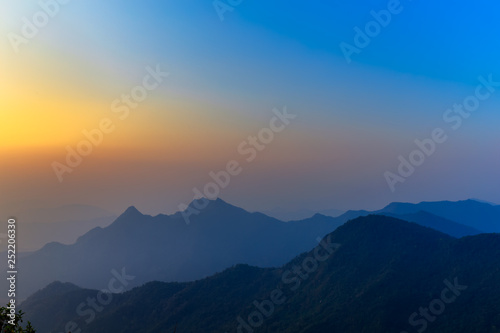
x: 204, y: 202
x: 131, y: 211
x: 128, y: 218
x: 203, y: 206
x: 220, y: 203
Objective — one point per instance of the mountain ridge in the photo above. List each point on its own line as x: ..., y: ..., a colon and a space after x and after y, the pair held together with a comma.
x: 165, y: 248
x: 219, y: 236
x: 382, y: 272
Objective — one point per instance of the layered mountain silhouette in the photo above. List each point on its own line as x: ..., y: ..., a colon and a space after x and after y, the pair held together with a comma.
x: 471, y: 216
x: 436, y: 222
x: 293, y: 215
x: 478, y: 215
x: 384, y: 275
x: 165, y: 248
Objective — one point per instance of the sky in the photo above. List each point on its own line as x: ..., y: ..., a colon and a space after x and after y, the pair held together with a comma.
x: 229, y: 66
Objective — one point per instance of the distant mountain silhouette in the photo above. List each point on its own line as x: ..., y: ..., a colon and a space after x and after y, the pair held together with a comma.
x: 437, y: 223
x: 166, y: 248
x: 384, y: 271
x: 64, y: 224
x: 289, y: 215
x: 479, y: 216
x: 484, y: 201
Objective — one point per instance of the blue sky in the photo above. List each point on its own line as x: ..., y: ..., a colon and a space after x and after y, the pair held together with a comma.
x: 355, y: 118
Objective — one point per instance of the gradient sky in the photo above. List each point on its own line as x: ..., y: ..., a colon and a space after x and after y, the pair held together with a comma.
x: 353, y: 120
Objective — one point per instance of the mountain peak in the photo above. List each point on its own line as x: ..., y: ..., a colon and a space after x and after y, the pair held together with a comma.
x: 219, y: 202
x: 203, y: 203
x: 132, y: 211
x: 128, y: 217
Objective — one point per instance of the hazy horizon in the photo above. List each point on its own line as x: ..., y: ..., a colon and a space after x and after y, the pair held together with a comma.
x: 225, y: 77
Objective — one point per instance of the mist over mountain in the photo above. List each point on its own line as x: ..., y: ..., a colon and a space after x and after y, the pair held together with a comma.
x: 384, y: 275
x: 437, y: 223
x: 477, y: 216
x: 64, y: 224
x: 165, y: 248
x: 290, y: 215
x: 61, y: 213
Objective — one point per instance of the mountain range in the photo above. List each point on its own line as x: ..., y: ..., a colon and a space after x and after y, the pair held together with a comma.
x: 372, y: 274
x: 478, y: 217
x: 165, y: 248
x: 293, y: 215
